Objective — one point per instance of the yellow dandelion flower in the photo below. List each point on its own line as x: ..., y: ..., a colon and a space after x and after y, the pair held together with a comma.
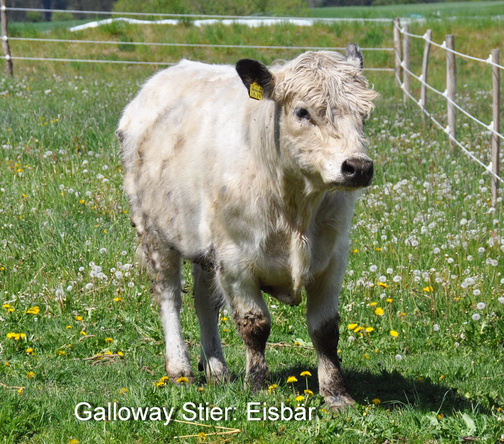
x: 20, y: 391
x: 376, y: 401
x: 182, y: 379
x: 109, y: 353
x: 369, y: 329
x: 164, y: 379
x: 305, y: 373
x: 224, y: 319
x: 123, y: 391
x: 7, y: 364
x: 30, y: 375
x: 201, y: 389
x: 83, y: 333
x: 160, y: 384
x: 33, y: 310
x: 355, y: 250
x: 61, y: 352
x: 352, y: 326
x: 78, y: 318
x: 272, y: 387
x: 383, y: 284
x: 440, y: 416
x: 372, y: 304
x: 379, y: 311
x: 121, y: 354
x: 393, y: 333
x: 300, y: 398
x: 291, y: 379
x: 109, y: 340
x: 29, y: 350
x: 68, y: 327
x: 5, y: 306
x: 308, y: 392
x: 358, y: 329
x: 117, y: 299
x: 428, y: 289
x: 389, y: 300
x: 73, y: 441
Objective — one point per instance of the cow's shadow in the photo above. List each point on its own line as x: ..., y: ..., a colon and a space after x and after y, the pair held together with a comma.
x: 394, y: 390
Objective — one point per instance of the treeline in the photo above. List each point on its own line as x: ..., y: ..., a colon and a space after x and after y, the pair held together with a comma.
x: 224, y: 7
x: 78, y: 5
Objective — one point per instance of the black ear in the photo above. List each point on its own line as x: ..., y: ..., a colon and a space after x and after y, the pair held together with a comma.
x: 354, y: 55
x: 251, y: 71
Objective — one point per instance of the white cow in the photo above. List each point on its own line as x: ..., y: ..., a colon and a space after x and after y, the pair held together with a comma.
x: 258, y: 194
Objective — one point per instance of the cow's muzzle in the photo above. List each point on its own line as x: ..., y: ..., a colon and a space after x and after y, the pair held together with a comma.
x: 357, y: 172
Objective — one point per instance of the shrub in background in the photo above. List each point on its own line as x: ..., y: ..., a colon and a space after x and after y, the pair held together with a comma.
x: 215, y: 7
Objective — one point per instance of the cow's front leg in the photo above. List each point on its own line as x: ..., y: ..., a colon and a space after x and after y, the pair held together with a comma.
x: 165, y: 271
x: 207, y: 300
x: 323, y: 326
x: 253, y: 321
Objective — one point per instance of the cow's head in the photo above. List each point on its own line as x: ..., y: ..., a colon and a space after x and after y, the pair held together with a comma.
x: 323, y: 100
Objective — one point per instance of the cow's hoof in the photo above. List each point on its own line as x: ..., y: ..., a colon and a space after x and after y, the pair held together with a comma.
x: 216, y: 373
x: 182, y: 379
x: 339, y: 402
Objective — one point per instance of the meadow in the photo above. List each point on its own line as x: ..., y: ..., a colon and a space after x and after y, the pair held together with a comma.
x: 422, y: 304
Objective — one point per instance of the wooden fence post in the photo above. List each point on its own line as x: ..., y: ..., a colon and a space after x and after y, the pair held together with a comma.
x: 496, y: 124
x: 451, y: 87
x: 397, y: 49
x: 406, y: 51
x: 425, y: 66
x: 5, y: 42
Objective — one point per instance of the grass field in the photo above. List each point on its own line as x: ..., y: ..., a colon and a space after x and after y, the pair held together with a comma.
x: 77, y: 323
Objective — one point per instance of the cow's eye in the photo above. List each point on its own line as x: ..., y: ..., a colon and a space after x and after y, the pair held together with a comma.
x: 302, y: 113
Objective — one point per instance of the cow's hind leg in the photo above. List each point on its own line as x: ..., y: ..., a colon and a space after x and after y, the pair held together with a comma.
x: 166, y: 284
x: 323, y: 326
x: 207, y: 301
x: 253, y: 321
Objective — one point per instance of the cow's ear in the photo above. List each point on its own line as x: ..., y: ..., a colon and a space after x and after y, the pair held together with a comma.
x: 256, y: 78
x: 354, y: 55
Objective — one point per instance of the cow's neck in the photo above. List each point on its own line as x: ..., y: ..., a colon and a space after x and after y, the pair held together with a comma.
x: 292, y: 197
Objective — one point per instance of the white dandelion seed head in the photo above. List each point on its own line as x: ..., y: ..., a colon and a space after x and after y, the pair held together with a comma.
x: 501, y: 299
x: 477, y: 292
x: 436, y: 250
x: 398, y: 357
x: 389, y: 271
x: 476, y: 317
x: 89, y: 286
x: 373, y: 268
x: 435, y: 327
x: 480, y: 305
x: 397, y: 278
x: 103, y: 250
x: 351, y: 338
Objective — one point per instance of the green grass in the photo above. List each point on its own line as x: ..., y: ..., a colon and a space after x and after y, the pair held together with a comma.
x: 426, y: 10
x: 425, y: 230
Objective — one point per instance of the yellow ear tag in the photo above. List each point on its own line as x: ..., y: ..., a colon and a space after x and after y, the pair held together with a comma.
x: 256, y: 91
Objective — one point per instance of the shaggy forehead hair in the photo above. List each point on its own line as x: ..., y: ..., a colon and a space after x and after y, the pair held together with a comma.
x: 328, y: 82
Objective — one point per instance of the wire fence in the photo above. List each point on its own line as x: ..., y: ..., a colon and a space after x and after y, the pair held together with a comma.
x: 403, y: 63
x: 240, y: 19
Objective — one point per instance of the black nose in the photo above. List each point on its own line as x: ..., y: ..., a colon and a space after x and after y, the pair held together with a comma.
x: 357, y: 172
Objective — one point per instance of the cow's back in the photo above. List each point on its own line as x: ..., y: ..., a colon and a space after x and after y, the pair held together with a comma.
x: 181, y: 139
